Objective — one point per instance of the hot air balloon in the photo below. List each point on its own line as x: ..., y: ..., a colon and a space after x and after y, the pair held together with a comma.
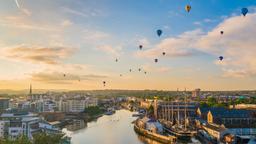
x: 244, y: 11
x: 130, y: 70
x: 188, y: 8
x: 159, y: 32
x: 64, y: 75
x: 104, y: 83
x: 163, y: 53
x: 141, y: 47
x: 222, y: 32
x: 139, y: 69
x: 221, y: 58
x: 116, y: 60
x: 121, y: 75
x: 156, y: 60
x: 145, y: 72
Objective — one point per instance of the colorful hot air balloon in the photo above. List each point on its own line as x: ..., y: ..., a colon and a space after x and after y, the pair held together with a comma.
x: 141, y: 47
x: 221, y: 58
x: 222, y: 32
x: 244, y: 11
x: 163, y: 53
x: 156, y: 60
x: 188, y: 8
x: 159, y: 32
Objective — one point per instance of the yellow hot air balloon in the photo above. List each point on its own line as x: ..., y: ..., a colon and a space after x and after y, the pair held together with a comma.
x: 187, y: 8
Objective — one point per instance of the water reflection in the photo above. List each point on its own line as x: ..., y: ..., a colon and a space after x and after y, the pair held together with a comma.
x: 76, y: 124
x: 114, y: 129
x: 146, y: 140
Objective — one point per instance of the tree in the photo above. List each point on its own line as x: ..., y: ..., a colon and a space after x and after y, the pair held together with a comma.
x: 20, y: 140
x: 93, y: 110
x: 43, y: 138
x: 211, y: 101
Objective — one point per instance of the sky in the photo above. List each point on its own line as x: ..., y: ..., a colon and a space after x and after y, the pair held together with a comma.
x: 73, y: 45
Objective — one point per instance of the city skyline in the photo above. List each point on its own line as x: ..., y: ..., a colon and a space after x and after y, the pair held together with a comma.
x: 71, y: 45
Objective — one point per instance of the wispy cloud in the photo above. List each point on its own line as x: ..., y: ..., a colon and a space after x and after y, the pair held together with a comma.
x: 83, y: 13
x: 66, y: 23
x: 95, y: 35
x: 58, y: 77
x: 113, y: 51
x: 37, y: 54
x: 23, y: 23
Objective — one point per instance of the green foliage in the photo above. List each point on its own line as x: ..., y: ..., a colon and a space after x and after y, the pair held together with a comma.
x: 93, y: 110
x: 20, y: 140
x: 203, y: 104
x: 43, y: 138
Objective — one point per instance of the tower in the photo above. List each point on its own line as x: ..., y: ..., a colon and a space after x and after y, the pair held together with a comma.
x: 155, y: 107
x: 30, y: 93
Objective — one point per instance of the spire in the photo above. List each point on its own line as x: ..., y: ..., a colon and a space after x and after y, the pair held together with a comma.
x: 30, y: 90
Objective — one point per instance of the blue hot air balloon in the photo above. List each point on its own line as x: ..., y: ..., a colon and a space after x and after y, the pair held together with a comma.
x: 159, y: 32
x: 221, y: 58
x: 244, y: 11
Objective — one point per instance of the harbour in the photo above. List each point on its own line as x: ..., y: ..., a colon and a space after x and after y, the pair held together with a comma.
x: 114, y: 129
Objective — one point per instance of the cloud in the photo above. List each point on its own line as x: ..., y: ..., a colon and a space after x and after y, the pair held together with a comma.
x: 85, y: 13
x: 66, y: 23
x: 150, y: 68
x: 113, y: 51
x: 21, y: 22
x: 95, y: 35
x: 58, y: 77
x: 37, y: 54
x: 24, y: 10
x: 237, y: 45
x: 174, y: 46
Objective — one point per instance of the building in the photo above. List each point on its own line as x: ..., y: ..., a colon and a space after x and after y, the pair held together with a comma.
x: 220, y: 121
x: 196, y: 93
x: 4, y: 104
x: 146, y: 103
x: 16, y: 124
x: 76, y: 104
x: 244, y: 106
x: 175, y: 111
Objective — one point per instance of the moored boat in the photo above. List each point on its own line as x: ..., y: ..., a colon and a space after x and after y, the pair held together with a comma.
x: 142, y: 128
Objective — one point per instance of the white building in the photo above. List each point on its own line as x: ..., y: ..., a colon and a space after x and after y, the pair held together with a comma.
x: 76, y: 105
x: 15, y: 125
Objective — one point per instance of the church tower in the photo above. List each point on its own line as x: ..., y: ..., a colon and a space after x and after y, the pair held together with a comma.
x: 30, y: 93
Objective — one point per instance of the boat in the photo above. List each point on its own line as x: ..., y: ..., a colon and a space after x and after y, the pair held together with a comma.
x: 152, y: 134
x: 110, y: 111
x: 176, y: 127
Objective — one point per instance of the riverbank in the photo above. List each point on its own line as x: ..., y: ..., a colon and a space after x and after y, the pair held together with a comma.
x: 114, y: 129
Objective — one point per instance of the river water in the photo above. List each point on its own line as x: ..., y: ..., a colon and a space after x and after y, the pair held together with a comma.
x: 114, y: 129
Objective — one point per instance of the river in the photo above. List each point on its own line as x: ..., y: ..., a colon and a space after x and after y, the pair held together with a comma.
x: 114, y: 129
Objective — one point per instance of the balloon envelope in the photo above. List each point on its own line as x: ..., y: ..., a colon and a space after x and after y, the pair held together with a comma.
x: 244, y: 11
x: 188, y: 8
x: 221, y: 58
x: 156, y: 60
x: 159, y: 32
x: 141, y: 46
